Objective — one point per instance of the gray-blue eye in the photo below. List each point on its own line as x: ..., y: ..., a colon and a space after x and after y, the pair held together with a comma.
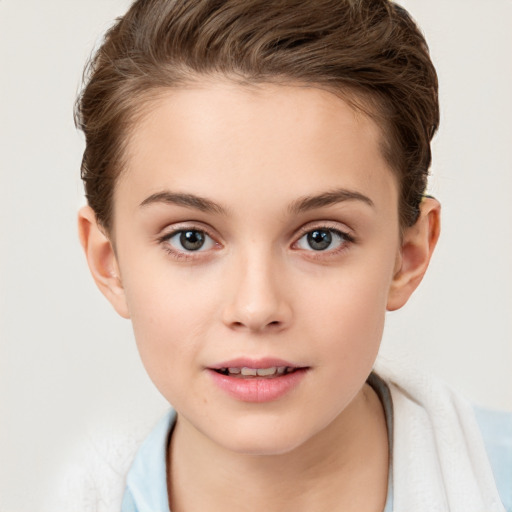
x: 191, y: 240
x: 322, y: 239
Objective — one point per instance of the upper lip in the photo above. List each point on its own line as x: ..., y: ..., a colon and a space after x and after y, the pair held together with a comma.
x: 246, y: 362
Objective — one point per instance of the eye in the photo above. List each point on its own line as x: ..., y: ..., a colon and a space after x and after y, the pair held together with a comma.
x: 190, y: 240
x: 322, y: 239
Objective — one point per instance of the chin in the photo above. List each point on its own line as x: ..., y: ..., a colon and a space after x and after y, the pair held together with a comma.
x: 263, y: 439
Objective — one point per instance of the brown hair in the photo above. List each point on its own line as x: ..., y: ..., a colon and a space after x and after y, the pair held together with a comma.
x: 368, y: 47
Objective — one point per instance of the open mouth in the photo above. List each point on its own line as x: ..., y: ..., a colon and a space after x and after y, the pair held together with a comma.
x: 251, y: 373
x: 257, y: 381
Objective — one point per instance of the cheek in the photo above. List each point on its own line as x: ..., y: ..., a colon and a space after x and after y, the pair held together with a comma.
x: 352, y: 318
x: 347, y: 308
x: 346, y: 330
x: 170, y: 314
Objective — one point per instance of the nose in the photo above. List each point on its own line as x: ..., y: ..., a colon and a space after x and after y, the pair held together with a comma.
x: 257, y: 301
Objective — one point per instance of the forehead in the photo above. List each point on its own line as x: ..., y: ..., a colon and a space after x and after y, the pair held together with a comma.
x: 276, y: 141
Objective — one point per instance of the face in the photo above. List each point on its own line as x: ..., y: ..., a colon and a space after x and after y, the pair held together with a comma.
x: 256, y: 233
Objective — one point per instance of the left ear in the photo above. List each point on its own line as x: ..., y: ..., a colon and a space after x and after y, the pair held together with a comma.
x: 418, y: 243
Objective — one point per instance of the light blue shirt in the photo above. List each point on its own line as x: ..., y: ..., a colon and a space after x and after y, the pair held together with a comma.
x: 146, y: 484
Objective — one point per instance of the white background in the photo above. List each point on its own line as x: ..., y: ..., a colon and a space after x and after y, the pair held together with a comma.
x: 68, y: 364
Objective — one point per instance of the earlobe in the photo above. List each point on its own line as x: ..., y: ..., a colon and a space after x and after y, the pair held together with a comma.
x: 102, y: 260
x: 418, y: 245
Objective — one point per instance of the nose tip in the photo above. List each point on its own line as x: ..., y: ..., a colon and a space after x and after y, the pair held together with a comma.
x: 257, y: 319
x: 258, y: 302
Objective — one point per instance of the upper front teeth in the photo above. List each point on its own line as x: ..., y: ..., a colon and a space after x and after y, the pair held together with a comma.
x: 260, y: 372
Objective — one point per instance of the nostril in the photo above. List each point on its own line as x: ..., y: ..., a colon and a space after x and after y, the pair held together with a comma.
x: 272, y: 325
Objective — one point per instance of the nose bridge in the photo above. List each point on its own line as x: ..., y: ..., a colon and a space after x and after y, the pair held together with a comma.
x: 258, y: 301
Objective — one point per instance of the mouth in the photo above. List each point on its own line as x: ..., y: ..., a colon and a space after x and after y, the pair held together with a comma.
x: 257, y: 380
x: 245, y: 372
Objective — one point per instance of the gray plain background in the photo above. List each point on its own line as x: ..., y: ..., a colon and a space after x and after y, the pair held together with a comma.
x: 68, y: 364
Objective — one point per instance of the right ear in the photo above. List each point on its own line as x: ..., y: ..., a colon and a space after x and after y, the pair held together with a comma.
x: 102, y: 260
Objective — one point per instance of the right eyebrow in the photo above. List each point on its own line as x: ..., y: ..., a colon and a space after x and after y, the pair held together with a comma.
x: 187, y: 200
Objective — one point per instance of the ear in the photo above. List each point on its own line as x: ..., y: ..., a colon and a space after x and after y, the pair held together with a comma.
x: 418, y: 244
x: 102, y: 260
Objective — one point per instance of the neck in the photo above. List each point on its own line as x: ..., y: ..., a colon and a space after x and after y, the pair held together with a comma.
x: 331, y: 471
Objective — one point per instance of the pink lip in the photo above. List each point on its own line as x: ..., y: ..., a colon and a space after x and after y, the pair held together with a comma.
x: 257, y: 389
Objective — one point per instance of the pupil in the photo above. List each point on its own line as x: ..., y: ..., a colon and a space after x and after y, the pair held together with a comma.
x: 319, y: 240
x: 192, y: 240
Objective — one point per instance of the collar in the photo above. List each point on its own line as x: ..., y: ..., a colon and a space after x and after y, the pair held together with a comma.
x: 146, y: 483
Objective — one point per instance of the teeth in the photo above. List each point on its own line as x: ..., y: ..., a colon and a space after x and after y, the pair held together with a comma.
x: 257, y: 372
x: 263, y: 372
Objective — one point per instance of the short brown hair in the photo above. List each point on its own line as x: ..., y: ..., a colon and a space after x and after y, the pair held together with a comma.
x: 368, y: 47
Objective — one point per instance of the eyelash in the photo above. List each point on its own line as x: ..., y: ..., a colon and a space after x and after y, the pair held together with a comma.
x: 183, y: 255
x: 347, y: 240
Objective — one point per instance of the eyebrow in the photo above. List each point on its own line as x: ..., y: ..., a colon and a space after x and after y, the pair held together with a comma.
x: 301, y: 205
x: 327, y: 199
x: 187, y: 200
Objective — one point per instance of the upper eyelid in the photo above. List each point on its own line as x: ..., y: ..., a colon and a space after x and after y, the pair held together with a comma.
x: 171, y: 230
x: 346, y: 233
x: 329, y: 225
x: 164, y: 239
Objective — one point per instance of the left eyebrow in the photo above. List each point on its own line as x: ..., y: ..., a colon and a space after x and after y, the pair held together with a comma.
x: 327, y: 199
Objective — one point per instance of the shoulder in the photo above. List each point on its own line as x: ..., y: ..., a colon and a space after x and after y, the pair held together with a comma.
x: 472, y: 447
x: 94, y: 478
x: 114, y: 469
x: 496, y: 430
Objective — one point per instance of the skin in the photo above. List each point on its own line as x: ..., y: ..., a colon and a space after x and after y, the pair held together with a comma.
x: 258, y: 289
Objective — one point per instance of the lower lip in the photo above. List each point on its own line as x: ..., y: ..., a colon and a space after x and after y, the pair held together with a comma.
x: 258, y: 389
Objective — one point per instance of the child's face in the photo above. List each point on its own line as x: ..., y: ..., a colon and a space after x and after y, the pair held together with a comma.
x: 227, y: 259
